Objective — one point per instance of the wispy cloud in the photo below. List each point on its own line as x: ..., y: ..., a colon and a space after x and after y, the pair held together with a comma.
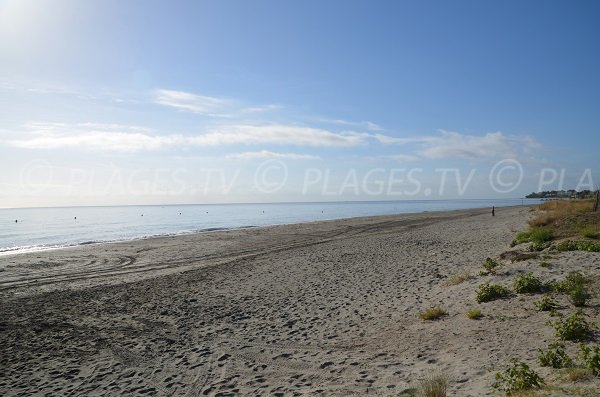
x: 190, y: 102
x: 369, y: 125
x: 280, y: 134
x: 491, y: 145
x: 447, y: 144
x: 115, y: 137
x: 265, y: 154
x: 208, y: 105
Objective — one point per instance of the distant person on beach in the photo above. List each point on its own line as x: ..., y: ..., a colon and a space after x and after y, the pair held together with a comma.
x: 493, y: 211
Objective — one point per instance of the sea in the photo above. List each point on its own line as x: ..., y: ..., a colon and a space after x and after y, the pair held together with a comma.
x: 34, y: 229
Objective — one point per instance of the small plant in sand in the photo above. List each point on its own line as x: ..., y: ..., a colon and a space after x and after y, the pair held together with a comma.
x: 474, y: 314
x: 490, y: 266
x: 518, y: 377
x: 433, y: 385
x: 433, y: 314
x: 578, y: 296
x: 578, y: 245
x: 571, y: 281
x: 546, y: 304
x: 554, y: 357
x: 545, y: 264
x: 574, y: 328
x: 591, y: 358
x: 489, y: 292
x: 578, y: 374
x: 574, y: 286
x: 527, y: 283
x: 458, y: 278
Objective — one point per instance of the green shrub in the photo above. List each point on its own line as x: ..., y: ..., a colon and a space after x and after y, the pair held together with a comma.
x: 490, y: 265
x: 545, y: 264
x: 578, y: 245
x: 572, y: 281
x: 516, y: 378
x: 578, y: 296
x: 590, y: 232
x: 474, y: 314
x: 546, y: 304
x: 489, y: 292
x: 554, y: 357
x: 433, y: 314
x: 575, y: 327
x: 527, y: 283
x: 521, y: 238
x: 540, y: 235
x: 591, y: 358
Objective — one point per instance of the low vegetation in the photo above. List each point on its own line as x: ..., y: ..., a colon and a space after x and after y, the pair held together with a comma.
x: 433, y: 314
x: 576, y: 374
x: 489, y: 292
x: 536, y: 235
x: 573, y: 328
x: 527, y: 283
x: 578, y: 245
x: 574, y: 285
x: 516, y: 378
x: 474, y: 314
x: 591, y: 358
x: 489, y: 266
x: 458, y: 278
x: 554, y: 357
x: 546, y: 304
x: 590, y: 232
x: 433, y: 385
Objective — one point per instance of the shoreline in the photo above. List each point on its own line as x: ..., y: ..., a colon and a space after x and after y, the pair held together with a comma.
x: 7, y: 252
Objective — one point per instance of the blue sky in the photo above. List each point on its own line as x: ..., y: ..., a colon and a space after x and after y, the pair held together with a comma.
x: 148, y: 102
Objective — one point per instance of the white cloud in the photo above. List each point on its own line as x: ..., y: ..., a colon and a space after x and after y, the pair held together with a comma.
x: 454, y: 144
x: 265, y: 154
x: 115, y: 137
x: 92, y: 136
x: 490, y: 145
x: 369, y: 125
x: 190, y: 102
x: 207, y: 105
x: 279, y: 134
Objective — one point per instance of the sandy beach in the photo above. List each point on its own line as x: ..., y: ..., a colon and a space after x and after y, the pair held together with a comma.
x: 325, y: 308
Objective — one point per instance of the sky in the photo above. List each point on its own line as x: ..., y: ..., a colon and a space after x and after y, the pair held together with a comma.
x: 155, y: 102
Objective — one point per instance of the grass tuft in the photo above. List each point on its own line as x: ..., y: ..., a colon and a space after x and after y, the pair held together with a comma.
x: 433, y: 385
x: 433, y: 314
x: 458, y: 278
x: 474, y: 314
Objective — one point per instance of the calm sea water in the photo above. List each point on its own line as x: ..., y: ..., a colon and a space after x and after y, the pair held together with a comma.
x: 47, y: 228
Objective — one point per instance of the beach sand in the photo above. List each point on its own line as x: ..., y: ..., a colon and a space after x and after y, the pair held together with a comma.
x: 326, y: 308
